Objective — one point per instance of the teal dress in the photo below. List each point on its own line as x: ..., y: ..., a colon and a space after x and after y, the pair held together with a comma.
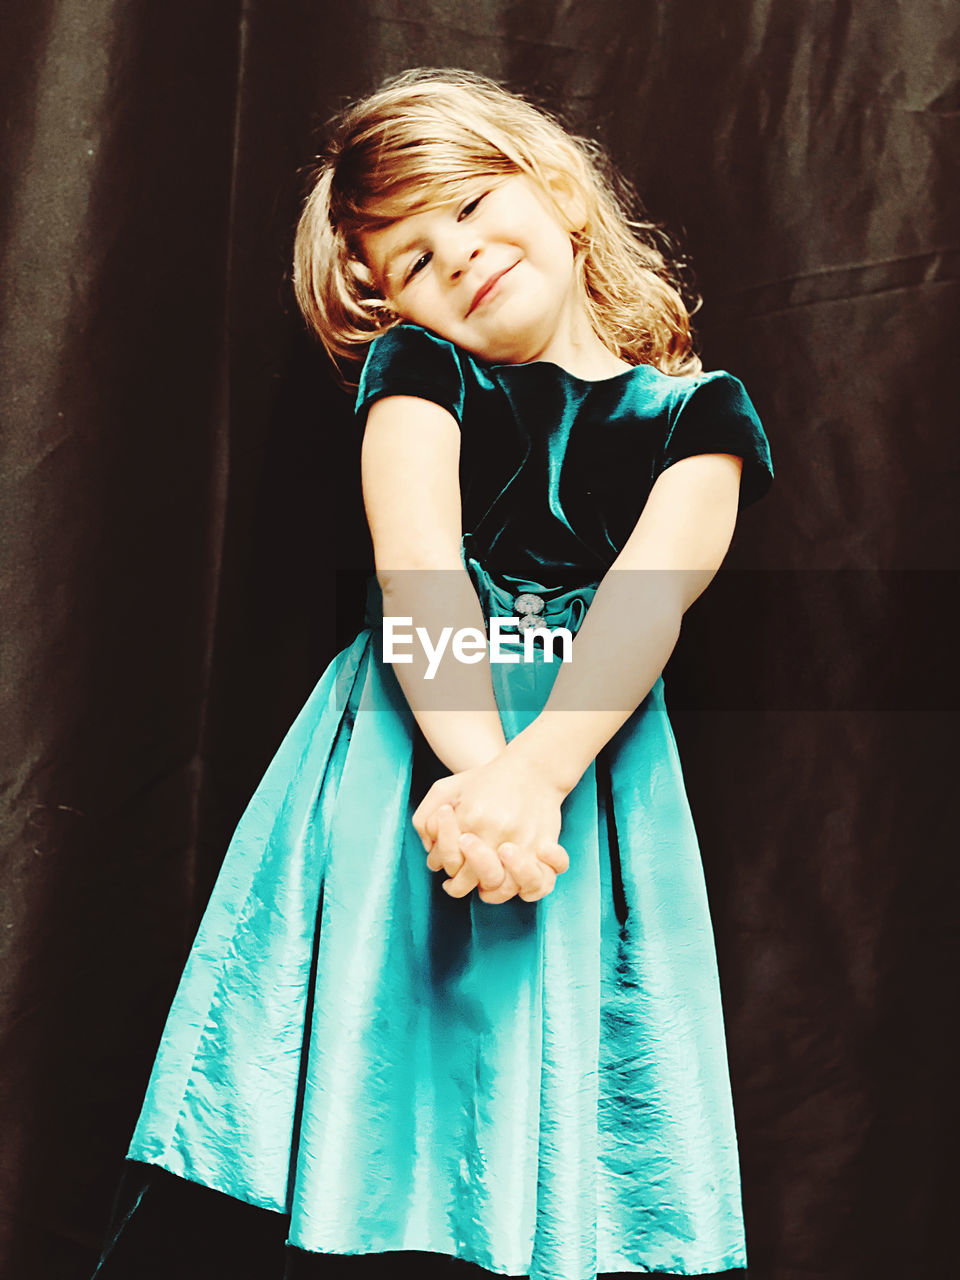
x: 539, y: 1088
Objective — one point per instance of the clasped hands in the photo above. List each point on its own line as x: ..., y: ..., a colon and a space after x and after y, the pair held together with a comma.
x: 494, y: 828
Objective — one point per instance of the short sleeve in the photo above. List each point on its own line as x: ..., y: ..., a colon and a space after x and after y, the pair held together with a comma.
x: 717, y: 416
x: 409, y: 360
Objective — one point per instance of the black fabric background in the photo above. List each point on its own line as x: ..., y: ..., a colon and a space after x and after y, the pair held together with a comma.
x: 183, y: 541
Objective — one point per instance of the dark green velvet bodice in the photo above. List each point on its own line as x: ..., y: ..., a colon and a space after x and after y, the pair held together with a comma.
x: 554, y: 469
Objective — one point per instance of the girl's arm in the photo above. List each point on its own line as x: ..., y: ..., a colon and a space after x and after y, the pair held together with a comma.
x: 411, y: 489
x: 623, y: 644
x: 633, y: 622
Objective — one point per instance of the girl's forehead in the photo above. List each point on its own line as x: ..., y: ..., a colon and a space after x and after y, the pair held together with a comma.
x: 425, y: 194
x: 385, y: 235
x: 392, y: 216
x: 383, y: 243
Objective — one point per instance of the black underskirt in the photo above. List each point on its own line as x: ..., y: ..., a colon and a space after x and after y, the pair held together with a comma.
x: 162, y: 1226
x: 165, y: 1228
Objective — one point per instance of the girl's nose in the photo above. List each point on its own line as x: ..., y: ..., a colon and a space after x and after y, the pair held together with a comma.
x: 458, y: 251
x: 458, y: 271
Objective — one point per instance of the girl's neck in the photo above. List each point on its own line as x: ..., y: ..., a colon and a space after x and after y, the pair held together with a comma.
x: 576, y: 347
x: 591, y: 361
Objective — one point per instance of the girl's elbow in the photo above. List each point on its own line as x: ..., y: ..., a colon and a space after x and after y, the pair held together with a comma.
x: 392, y: 567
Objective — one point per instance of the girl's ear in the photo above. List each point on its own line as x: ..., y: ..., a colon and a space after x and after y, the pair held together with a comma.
x: 368, y: 281
x: 569, y: 199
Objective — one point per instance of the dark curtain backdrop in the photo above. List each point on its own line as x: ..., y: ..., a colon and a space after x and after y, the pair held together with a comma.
x: 183, y: 544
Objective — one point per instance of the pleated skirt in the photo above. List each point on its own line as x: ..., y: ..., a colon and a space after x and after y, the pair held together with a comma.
x: 541, y: 1088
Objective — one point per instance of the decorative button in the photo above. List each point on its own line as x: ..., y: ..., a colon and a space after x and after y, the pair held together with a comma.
x: 528, y: 603
x: 528, y: 621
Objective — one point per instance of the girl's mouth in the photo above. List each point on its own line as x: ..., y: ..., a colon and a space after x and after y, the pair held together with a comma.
x: 488, y: 287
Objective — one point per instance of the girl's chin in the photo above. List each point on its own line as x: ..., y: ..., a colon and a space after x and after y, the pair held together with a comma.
x: 494, y: 354
x: 508, y: 345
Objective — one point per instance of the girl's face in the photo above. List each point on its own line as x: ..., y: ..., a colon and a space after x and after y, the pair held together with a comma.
x: 491, y: 270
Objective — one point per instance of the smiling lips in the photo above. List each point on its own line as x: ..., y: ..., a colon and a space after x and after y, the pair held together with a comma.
x: 485, y: 288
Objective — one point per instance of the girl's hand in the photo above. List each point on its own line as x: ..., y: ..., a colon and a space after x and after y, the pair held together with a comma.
x: 501, y: 874
x: 446, y: 853
x: 496, y: 827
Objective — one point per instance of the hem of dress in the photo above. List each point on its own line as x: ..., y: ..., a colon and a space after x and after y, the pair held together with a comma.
x: 162, y: 1162
x: 634, y: 1269
x: 620, y: 1269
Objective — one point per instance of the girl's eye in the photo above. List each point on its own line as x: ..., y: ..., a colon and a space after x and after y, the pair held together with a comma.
x: 420, y: 263
x: 469, y: 208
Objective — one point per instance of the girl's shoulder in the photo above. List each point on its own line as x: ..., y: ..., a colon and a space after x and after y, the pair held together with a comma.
x: 711, y: 412
x: 710, y: 391
x: 683, y: 386
x: 411, y: 338
x: 409, y: 360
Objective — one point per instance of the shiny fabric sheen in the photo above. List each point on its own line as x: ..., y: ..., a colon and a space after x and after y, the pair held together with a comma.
x: 539, y: 1088
x: 555, y: 469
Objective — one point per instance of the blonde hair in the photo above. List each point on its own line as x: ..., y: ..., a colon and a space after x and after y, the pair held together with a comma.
x: 410, y: 145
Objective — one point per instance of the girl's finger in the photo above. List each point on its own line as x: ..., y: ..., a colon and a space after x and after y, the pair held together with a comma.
x: 435, y: 852
x: 523, y: 865
x: 429, y: 839
x: 434, y: 859
x: 503, y: 892
x: 443, y: 791
x: 555, y: 856
x: 464, y: 882
x: 447, y: 848
x: 419, y: 818
x: 549, y: 880
x: 482, y: 860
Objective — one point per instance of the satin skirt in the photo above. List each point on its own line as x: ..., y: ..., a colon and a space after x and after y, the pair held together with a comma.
x: 538, y: 1088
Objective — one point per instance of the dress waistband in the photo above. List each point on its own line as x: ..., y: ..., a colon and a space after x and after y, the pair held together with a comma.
x: 533, y: 603
x: 503, y: 595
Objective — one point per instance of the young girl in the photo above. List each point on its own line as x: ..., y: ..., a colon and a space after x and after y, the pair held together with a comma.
x: 519, y: 1062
